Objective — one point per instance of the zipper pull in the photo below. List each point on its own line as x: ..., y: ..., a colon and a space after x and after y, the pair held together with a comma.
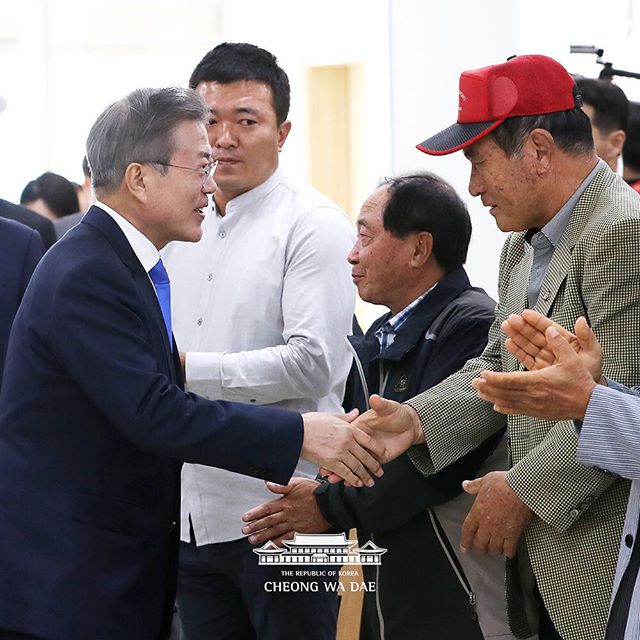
x: 472, y: 604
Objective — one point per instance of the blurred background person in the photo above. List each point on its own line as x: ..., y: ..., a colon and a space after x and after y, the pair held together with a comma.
x: 47, y: 235
x: 608, y: 109
x: 631, y: 150
x: 85, y: 200
x: 51, y: 195
x: 83, y: 191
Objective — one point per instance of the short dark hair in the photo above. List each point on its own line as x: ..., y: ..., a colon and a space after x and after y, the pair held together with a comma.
x: 235, y: 61
x: 631, y: 149
x: 139, y: 128
x: 610, y: 105
x: 571, y: 131
x: 423, y: 201
x: 55, y: 190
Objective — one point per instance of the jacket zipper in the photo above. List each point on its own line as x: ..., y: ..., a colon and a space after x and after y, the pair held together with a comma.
x: 446, y: 547
x: 360, y: 369
x: 365, y: 388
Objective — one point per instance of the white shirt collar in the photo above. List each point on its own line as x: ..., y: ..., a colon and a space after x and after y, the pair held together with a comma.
x: 251, y: 198
x: 144, y: 249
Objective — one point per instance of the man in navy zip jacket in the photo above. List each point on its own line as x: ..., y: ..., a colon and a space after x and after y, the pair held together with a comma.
x: 413, y: 235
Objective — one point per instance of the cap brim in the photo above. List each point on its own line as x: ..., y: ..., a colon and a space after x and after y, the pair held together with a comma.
x: 456, y: 137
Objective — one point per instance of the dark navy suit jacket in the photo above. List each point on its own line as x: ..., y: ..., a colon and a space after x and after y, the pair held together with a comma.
x: 31, y: 219
x: 20, y: 250
x: 92, y: 423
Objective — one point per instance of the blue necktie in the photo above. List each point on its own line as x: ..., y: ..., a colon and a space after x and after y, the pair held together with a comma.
x: 160, y: 279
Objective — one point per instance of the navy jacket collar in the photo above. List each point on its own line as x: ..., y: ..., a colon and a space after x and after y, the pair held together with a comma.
x: 448, y: 289
x: 101, y: 220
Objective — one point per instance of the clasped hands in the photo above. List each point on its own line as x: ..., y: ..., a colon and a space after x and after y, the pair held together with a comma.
x: 562, y: 369
x: 376, y: 436
x: 353, y: 447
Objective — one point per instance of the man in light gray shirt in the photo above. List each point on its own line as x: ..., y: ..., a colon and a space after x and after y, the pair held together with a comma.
x: 261, y: 305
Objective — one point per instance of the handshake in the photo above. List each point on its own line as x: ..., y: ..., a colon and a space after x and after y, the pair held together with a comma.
x: 353, y: 447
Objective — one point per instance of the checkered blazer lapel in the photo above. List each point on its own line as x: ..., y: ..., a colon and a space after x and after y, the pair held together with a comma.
x: 561, y: 259
x: 555, y: 276
x: 517, y: 301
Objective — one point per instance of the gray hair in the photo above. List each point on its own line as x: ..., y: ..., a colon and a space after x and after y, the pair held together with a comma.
x: 139, y: 128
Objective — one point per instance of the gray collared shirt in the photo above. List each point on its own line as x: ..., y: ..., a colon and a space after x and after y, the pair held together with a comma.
x: 545, y: 241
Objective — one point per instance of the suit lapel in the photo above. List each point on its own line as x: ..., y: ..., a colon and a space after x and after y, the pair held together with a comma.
x: 555, y: 276
x: 104, y: 223
x: 519, y: 279
x: 561, y: 259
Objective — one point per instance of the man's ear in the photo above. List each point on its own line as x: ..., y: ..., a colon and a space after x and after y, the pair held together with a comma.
x: 422, y: 249
x: 542, y: 146
x: 136, y: 179
x: 283, y: 132
x: 615, y: 143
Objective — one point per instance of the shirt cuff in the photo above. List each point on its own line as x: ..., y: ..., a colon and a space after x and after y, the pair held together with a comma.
x: 203, y: 373
x: 589, y: 444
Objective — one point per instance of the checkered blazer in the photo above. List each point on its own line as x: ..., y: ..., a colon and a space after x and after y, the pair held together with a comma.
x: 579, y: 512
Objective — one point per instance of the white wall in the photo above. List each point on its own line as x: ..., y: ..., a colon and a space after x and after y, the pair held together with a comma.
x: 432, y: 42
x: 63, y: 61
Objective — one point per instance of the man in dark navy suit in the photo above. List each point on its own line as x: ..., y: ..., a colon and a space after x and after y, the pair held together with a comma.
x: 93, y: 419
x: 31, y: 219
x: 20, y: 250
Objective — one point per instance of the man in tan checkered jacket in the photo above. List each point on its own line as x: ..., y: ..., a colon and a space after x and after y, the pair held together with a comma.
x: 574, y: 250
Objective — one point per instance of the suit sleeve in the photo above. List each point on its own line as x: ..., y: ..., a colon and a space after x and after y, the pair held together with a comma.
x: 454, y: 419
x: 318, y: 300
x: 549, y: 479
x: 609, y: 437
x: 99, y: 335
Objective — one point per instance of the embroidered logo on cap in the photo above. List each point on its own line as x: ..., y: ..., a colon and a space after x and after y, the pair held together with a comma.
x: 463, y: 98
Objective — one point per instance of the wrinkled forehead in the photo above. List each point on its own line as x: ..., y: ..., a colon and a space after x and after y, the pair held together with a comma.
x: 373, y: 207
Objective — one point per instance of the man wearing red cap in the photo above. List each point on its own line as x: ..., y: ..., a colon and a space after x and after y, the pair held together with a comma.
x: 573, y: 252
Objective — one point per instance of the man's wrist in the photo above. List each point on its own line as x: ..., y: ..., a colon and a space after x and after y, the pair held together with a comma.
x: 584, y: 402
x: 416, y: 425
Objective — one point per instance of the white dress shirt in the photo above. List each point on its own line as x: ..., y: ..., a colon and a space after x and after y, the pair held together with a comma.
x: 144, y: 249
x: 261, y: 305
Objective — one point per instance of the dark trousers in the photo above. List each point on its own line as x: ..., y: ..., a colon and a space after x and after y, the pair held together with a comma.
x: 224, y: 594
x: 547, y: 630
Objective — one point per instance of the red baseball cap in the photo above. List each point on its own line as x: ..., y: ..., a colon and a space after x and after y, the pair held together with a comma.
x: 522, y: 86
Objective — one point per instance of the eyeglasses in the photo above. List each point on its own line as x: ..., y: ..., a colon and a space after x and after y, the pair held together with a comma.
x: 206, y: 172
